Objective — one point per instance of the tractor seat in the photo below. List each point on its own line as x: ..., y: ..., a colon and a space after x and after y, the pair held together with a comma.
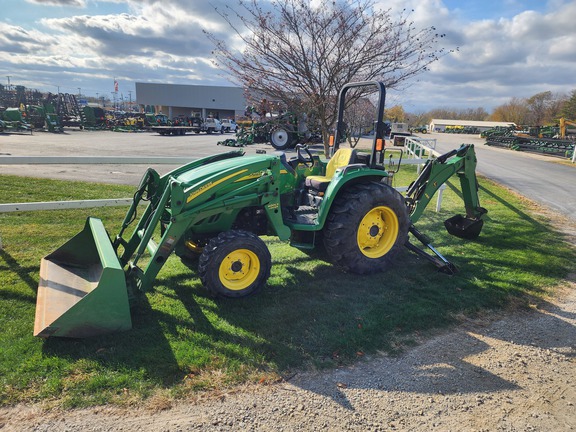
x: 341, y: 158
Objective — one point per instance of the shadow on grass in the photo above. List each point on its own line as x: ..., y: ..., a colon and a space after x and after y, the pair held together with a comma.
x: 144, y: 348
x: 492, y: 280
x: 448, y: 364
x: 23, y: 273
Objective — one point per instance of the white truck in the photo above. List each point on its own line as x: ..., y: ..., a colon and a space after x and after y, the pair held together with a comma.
x: 208, y: 125
x: 212, y: 125
x: 229, y: 125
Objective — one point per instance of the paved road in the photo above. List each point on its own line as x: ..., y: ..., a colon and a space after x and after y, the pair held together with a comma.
x: 543, y: 179
x: 546, y: 180
x: 105, y: 143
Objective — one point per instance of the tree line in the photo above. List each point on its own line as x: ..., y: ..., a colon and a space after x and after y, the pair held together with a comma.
x: 541, y: 109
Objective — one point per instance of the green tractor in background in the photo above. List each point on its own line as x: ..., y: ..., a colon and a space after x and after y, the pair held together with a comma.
x: 216, y: 208
x: 14, y: 121
x: 44, y: 117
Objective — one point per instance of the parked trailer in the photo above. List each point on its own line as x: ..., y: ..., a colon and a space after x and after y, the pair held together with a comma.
x: 172, y: 130
x: 195, y: 124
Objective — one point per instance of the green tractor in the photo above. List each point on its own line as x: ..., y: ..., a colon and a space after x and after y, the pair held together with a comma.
x: 214, y: 209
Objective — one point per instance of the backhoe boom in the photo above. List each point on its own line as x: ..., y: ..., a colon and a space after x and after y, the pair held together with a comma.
x: 436, y: 172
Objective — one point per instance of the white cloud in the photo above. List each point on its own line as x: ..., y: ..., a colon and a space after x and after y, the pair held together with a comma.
x: 498, y: 58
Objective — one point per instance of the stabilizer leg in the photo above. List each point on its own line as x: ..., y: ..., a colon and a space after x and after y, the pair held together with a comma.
x: 437, y: 259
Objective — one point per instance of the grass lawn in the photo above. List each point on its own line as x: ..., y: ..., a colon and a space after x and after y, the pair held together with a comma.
x: 311, y: 314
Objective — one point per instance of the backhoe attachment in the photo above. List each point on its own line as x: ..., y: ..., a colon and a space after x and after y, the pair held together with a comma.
x: 436, y: 172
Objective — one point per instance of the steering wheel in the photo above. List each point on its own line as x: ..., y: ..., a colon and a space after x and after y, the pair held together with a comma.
x: 305, y: 159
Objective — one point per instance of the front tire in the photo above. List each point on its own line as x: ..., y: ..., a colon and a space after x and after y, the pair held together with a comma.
x: 367, y: 226
x: 236, y: 263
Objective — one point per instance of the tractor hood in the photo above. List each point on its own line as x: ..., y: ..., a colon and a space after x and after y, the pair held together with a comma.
x: 197, y: 175
x: 218, y: 178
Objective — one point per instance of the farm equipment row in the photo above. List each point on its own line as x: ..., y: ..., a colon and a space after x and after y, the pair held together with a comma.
x: 557, y: 147
x: 283, y: 131
x: 470, y: 130
x: 214, y: 210
x: 11, y: 120
x: 553, y: 140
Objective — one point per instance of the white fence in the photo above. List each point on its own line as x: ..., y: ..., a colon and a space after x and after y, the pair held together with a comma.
x: 81, y: 160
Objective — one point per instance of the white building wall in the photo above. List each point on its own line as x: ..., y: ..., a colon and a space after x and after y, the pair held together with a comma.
x: 439, y: 125
x: 178, y: 99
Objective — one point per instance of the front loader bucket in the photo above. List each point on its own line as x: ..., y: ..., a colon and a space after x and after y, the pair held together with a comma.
x: 464, y: 227
x: 82, y: 290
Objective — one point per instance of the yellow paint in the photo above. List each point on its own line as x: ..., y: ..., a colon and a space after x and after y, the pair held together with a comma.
x: 250, y: 176
x: 210, y: 185
x: 239, y: 269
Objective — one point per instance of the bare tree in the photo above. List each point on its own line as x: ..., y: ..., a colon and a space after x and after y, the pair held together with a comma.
x: 419, y: 119
x: 303, y: 54
x: 359, y: 119
x: 555, y: 108
x: 539, y: 105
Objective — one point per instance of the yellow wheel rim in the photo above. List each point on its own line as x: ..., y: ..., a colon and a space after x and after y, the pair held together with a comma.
x: 239, y: 269
x: 378, y: 232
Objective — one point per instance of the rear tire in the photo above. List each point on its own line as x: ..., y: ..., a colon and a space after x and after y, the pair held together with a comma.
x: 367, y: 226
x: 235, y: 264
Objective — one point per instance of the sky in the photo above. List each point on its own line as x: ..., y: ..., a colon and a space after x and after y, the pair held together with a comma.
x: 506, y: 48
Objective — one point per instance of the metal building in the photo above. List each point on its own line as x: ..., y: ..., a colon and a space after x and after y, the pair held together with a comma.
x: 439, y: 125
x: 192, y: 100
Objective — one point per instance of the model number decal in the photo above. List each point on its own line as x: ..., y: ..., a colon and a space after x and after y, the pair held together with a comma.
x: 210, y: 185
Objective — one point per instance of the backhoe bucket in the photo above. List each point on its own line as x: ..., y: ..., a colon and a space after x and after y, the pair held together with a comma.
x: 463, y: 227
x: 82, y: 290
